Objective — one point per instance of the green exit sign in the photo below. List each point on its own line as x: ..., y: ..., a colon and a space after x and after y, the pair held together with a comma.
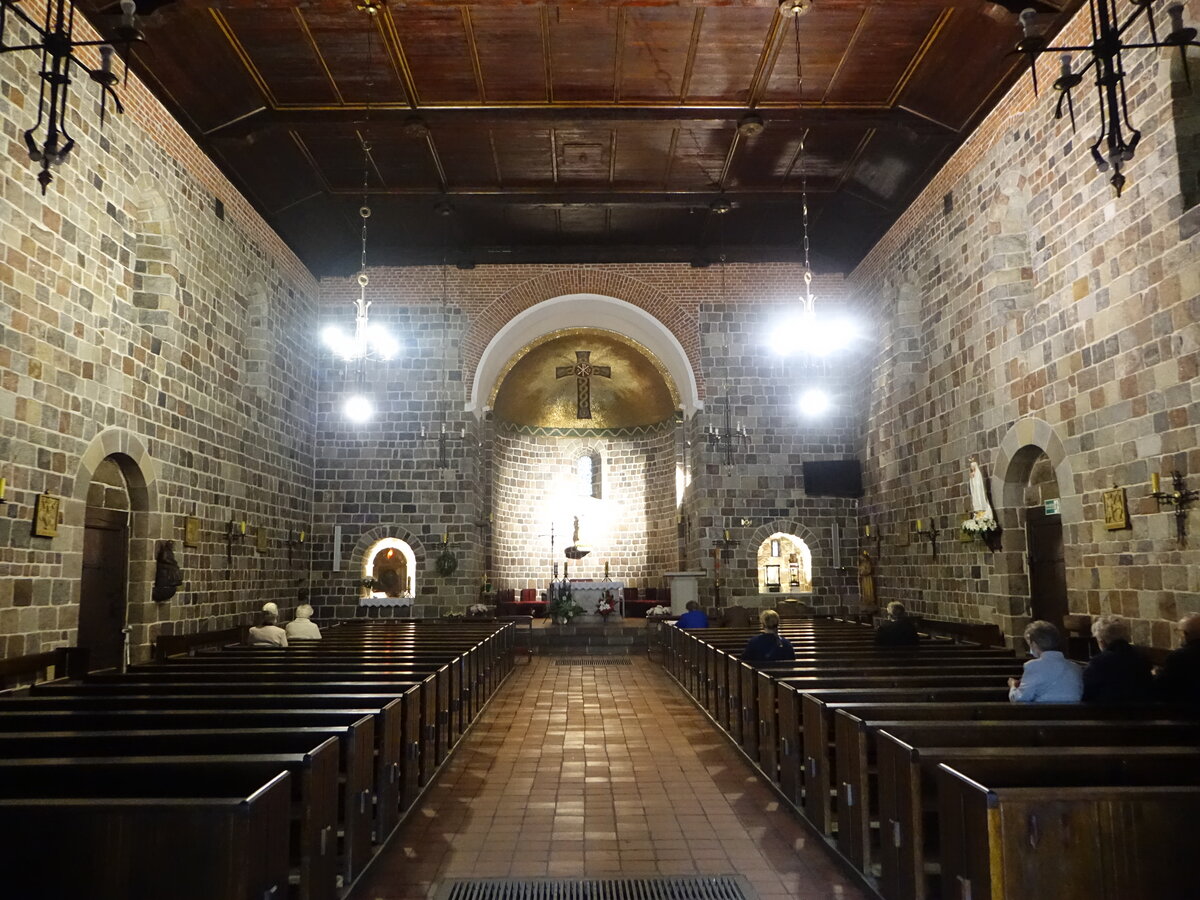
x: 1050, y: 507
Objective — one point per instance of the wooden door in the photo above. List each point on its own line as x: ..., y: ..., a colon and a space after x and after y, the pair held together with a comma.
x: 104, y: 586
x: 1047, y: 568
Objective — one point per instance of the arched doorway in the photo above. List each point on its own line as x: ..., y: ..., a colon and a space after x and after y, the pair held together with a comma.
x: 104, y: 586
x: 1044, y: 541
x: 389, y: 570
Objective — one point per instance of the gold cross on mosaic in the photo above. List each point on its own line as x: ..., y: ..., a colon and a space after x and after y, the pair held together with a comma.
x: 583, y: 371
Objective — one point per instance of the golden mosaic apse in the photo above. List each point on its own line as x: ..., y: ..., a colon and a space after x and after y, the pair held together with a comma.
x: 584, y: 378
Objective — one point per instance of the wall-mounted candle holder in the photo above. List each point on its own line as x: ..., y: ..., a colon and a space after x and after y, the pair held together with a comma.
x: 234, y: 531
x: 1179, y: 497
x: 927, y: 528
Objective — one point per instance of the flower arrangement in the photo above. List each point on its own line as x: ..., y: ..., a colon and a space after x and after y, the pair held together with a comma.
x: 605, y: 606
x: 979, y: 525
x: 562, y: 607
x: 659, y: 610
x: 479, y: 609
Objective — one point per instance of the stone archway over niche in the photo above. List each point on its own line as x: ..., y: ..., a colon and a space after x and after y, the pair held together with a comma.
x: 139, y: 470
x: 535, y: 308
x: 821, y: 562
x: 406, y: 567
x: 1029, y: 443
x: 417, y: 560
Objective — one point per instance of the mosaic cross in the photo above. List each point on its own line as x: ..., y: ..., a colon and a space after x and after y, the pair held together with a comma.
x: 583, y: 371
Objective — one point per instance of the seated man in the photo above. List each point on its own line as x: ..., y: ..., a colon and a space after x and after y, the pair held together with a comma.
x: 695, y: 617
x: 1049, y: 677
x: 1119, y: 673
x: 303, y: 627
x: 898, y: 630
x: 768, y: 646
x: 267, y: 633
x: 1179, y: 679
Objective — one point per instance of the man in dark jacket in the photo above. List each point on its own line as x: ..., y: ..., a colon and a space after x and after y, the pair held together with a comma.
x: 1119, y: 673
x: 1179, y: 679
x: 898, y: 630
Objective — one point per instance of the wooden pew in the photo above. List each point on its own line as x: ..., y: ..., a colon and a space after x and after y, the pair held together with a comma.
x: 909, y: 856
x: 198, y: 840
x: 397, y: 721
x: 310, y: 755
x: 1002, y: 842
x: 356, y: 793
x: 856, y: 746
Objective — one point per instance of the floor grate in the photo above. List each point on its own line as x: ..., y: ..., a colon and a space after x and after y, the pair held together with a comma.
x: 592, y: 661
x: 718, y: 887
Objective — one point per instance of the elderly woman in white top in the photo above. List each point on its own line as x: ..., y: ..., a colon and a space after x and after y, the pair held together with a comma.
x: 266, y: 633
x: 1049, y: 677
x: 303, y: 627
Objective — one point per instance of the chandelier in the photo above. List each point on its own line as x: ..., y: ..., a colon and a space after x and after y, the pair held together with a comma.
x: 49, y: 141
x: 1118, y: 139
x: 370, y: 341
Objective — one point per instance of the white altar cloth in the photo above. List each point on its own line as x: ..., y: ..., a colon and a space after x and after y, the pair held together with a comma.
x: 587, y: 594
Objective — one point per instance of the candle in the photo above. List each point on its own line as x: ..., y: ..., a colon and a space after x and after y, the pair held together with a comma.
x: 564, y: 571
x: 919, y: 525
x: 302, y: 537
x: 726, y: 534
x: 867, y: 530
x: 445, y: 537
x: 242, y: 526
x: 1154, y: 485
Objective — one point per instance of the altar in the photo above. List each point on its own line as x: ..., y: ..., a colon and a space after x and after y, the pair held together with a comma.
x: 588, y: 593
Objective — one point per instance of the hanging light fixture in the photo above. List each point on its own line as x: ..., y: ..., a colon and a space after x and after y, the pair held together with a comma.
x: 370, y: 341
x: 1118, y: 139
x: 49, y: 141
x: 726, y: 440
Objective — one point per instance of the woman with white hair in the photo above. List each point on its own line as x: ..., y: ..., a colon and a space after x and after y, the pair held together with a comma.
x: 1049, y: 677
x: 1119, y: 673
x: 303, y: 627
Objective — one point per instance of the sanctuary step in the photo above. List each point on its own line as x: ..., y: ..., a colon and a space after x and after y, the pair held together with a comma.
x: 590, y: 637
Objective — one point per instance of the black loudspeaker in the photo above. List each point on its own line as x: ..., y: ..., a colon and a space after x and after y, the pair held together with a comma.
x: 833, y: 478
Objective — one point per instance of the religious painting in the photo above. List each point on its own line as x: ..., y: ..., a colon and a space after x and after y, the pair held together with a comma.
x: 260, y: 540
x: 1116, y: 511
x: 902, y: 535
x: 772, y: 578
x: 45, y: 516
x: 191, y: 532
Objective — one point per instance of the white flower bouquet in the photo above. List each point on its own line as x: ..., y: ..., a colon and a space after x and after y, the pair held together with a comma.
x: 659, y: 610
x: 980, y: 525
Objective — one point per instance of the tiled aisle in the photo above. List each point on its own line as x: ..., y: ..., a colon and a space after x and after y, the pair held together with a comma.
x: 605, y: 772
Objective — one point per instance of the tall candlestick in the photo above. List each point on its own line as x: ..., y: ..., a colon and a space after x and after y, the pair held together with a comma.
x: 1154, y: 485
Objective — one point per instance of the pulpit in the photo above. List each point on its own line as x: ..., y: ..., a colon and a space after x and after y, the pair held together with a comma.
x: 685, y: 586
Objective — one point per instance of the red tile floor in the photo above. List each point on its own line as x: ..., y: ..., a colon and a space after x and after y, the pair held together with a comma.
x: 600, y: 772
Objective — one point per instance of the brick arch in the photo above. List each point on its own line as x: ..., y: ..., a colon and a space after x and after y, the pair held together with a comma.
x: 372, y: 536
x: 137, y: 465
x: 563, y: 282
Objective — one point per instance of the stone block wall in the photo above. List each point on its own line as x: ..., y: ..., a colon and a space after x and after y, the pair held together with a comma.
x: 631, y: 526
x: 1027, y: 313
x: 724, y: 322
x: 136, y: 298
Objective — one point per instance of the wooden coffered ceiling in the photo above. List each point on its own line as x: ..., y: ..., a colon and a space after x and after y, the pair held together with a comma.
x: 525, y: 131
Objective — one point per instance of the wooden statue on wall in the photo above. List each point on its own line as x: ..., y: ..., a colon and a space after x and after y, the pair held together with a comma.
x: 866, y: 583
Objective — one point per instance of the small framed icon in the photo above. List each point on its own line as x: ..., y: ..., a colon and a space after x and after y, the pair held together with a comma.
x: 1116, y: 510
x: 191, y: 532
x: 45, y: 516
x: 260, y: 539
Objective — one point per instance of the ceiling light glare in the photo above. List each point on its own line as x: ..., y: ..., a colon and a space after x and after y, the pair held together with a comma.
x: 814, y: 402
x: 339, y: 342
x: 358, y: 409
x: 787, y: 337
x: 383, y: 345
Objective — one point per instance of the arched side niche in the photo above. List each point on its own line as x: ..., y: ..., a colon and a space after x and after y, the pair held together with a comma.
x: 392, y: 563
x: 784, y: 565
x: 584, y: 311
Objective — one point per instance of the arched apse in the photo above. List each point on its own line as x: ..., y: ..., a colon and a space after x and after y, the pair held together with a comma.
x: 585, y: 311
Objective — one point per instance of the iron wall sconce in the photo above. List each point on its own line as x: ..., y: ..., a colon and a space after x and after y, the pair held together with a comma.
x: 927, y: 528
x: 234, y: 531
x: 1179, y: 497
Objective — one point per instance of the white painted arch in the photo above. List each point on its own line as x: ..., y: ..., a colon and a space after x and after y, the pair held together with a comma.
x: 584, y: 311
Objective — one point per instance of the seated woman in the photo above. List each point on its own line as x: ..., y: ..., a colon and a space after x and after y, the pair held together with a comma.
x: 266, y: 633
x: 1049, y: 677
x: 1119, y: 673
x: 898, y: 630
x: 695, y: 617
x: 303, y: 627
x: 768, y: 646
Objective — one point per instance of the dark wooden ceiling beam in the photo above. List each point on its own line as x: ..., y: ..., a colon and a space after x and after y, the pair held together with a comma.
x: 569, y: 198
x: 393, y: 117
x: 1014, y: 6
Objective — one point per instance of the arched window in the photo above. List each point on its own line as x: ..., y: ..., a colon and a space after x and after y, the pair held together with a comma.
x: 389, y: 570
x: 784, y: 565
x: 588, y: 475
